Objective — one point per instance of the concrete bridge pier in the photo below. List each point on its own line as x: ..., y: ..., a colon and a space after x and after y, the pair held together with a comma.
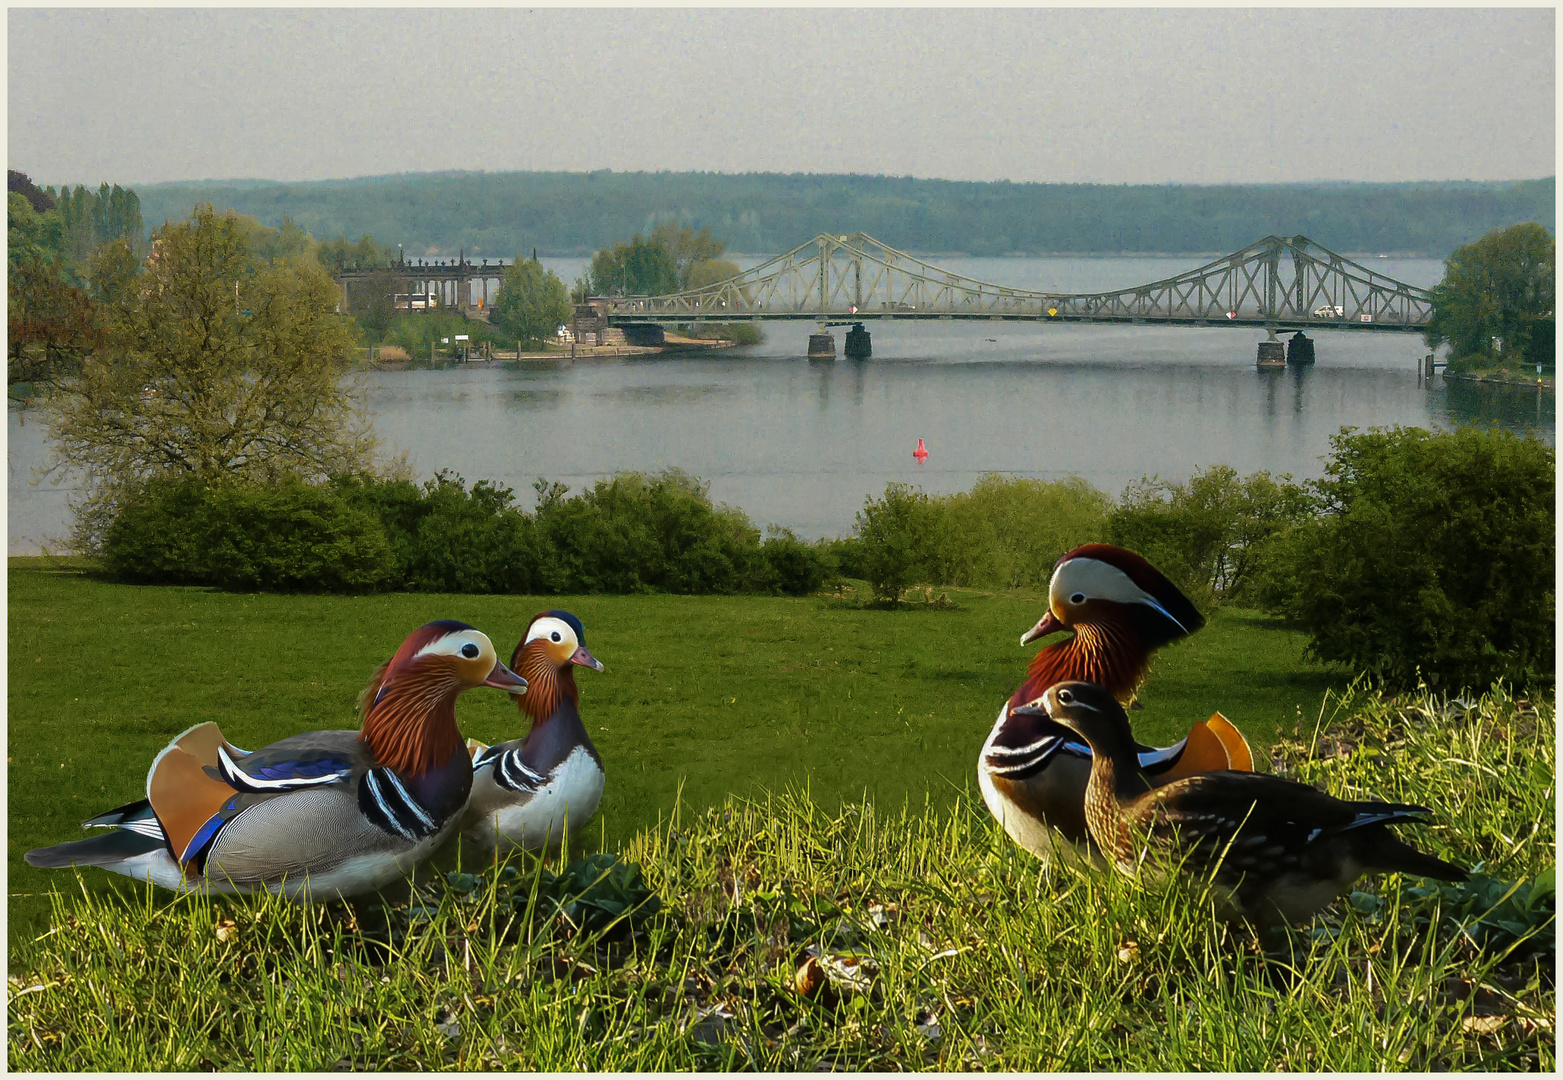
x: 1299, y: 350
x: 1272, y: 352
x: 858, y: 346
x: 822, y: 346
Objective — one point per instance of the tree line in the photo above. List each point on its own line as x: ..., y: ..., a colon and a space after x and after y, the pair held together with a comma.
x: 496, y: 214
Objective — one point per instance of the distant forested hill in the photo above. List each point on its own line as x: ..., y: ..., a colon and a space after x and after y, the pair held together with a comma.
x: 500, y: 214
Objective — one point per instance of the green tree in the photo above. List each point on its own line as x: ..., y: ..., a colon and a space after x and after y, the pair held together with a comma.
x: 532, y: 302
x: 709, y: 272
x: 374, y: 301
x: 1211, y: 534
x: 639, y: 268
x: 51, y: 326
x: 1499, y: 289
x: 1432, y: 553
x: 31, y: 236
x: 226, y: 366
x: 900, y: 538
x: 1008, y: 531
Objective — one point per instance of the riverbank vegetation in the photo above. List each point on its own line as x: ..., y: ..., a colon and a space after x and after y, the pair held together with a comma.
x: 1417, y: 555
x: 495, y: 214
x: 1495, y: 305
x: 214, y: 362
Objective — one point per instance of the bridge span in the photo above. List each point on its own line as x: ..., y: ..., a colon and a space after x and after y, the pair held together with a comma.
x: 1277, y: 283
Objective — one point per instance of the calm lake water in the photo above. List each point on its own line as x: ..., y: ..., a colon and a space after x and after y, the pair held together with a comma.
x: 803, y: 443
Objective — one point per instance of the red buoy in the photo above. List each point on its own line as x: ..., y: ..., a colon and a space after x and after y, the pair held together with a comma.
x: 921, y: 452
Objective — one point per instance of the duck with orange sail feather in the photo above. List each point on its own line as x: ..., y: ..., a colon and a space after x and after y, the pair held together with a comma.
x: 319, y: 815
x: 1121, y: 609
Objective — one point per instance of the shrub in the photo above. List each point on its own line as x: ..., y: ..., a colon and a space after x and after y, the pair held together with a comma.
x: 796, y: 568
x: 1433, y: 552
x: 1209, y: 535
x: 1008, y: 532
x: 474, y: 542
x: 638, y: 533
x: 901, y: 537
x: 289, y: 536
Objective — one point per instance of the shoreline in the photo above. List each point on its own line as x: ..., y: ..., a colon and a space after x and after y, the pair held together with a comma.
x: 1539, y: 382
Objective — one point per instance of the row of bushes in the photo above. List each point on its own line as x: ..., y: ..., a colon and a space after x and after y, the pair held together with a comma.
x: 1415, y: 555
x: 631, y: 533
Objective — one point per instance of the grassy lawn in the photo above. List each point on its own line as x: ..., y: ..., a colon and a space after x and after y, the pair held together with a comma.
x: 720, y: 695
x: 827, y: 838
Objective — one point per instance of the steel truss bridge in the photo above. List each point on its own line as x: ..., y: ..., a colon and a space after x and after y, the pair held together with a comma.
x: 1277, y: 283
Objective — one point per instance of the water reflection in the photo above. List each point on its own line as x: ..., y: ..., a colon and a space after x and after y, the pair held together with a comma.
x: 1518, y: 408
x: 663, y: 395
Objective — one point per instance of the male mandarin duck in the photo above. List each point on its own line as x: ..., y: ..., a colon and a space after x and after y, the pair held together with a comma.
x: 1280, y: 847
x: 528, y: 792
x: 1032, y: 773
x: 316, y: 816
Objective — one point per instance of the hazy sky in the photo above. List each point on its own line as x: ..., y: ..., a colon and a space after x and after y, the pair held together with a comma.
x: 1116, y: 96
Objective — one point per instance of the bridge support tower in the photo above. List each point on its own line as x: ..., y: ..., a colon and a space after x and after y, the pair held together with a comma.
x: 1272, y: 353
x: 1299, y: 350
x: 858, y: 346
x: 822, y: 346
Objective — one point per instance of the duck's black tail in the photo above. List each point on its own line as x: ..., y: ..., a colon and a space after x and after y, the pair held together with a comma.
x: 1387, y: 852
x: 106, y: 850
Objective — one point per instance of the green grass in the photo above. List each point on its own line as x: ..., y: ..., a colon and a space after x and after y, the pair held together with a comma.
x: 718, y: 694
x: 962, y: 951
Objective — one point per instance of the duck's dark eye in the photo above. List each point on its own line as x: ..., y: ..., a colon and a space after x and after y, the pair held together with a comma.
x: 470, y: 651
x: 556, y: 636
x: 1065, y: 697
x: 1077, y: 598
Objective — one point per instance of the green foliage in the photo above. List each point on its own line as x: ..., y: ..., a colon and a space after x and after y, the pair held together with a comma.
x: 900, y: 541
x: 578, y: 213
x: 52, y: 326
x: 473, y: 542
x: 421, y: 332
x: 1500, y: 915
x: 285, y: 537
x: 19, y: 183
x: 1501, y: 287
x: 1433, y: 555
x: 1210, y: 534
x: 638, y: 533
x: 1005, y: 532
x: 223, y: 365
x: 796, y: 568
x: 342, y: 254
x: 639, y: 268
x: 89, y: 220
x: 532, y: 302
x: 32, y: 238
x: 739, y: 333
x: 1008, y: 531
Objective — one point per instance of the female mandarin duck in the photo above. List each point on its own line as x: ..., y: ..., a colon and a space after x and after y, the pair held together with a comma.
x: 526, y: 793
x: 1121, y: 609
x: 319, y: 815
x: 1282, y: 849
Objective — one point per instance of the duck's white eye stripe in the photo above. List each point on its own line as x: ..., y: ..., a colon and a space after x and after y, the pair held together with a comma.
x: 552, y: 629
x: 458, y: 644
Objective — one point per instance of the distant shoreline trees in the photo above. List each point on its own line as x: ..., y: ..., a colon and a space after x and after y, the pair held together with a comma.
x: 1495, y: 305
x: 575, y: 214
